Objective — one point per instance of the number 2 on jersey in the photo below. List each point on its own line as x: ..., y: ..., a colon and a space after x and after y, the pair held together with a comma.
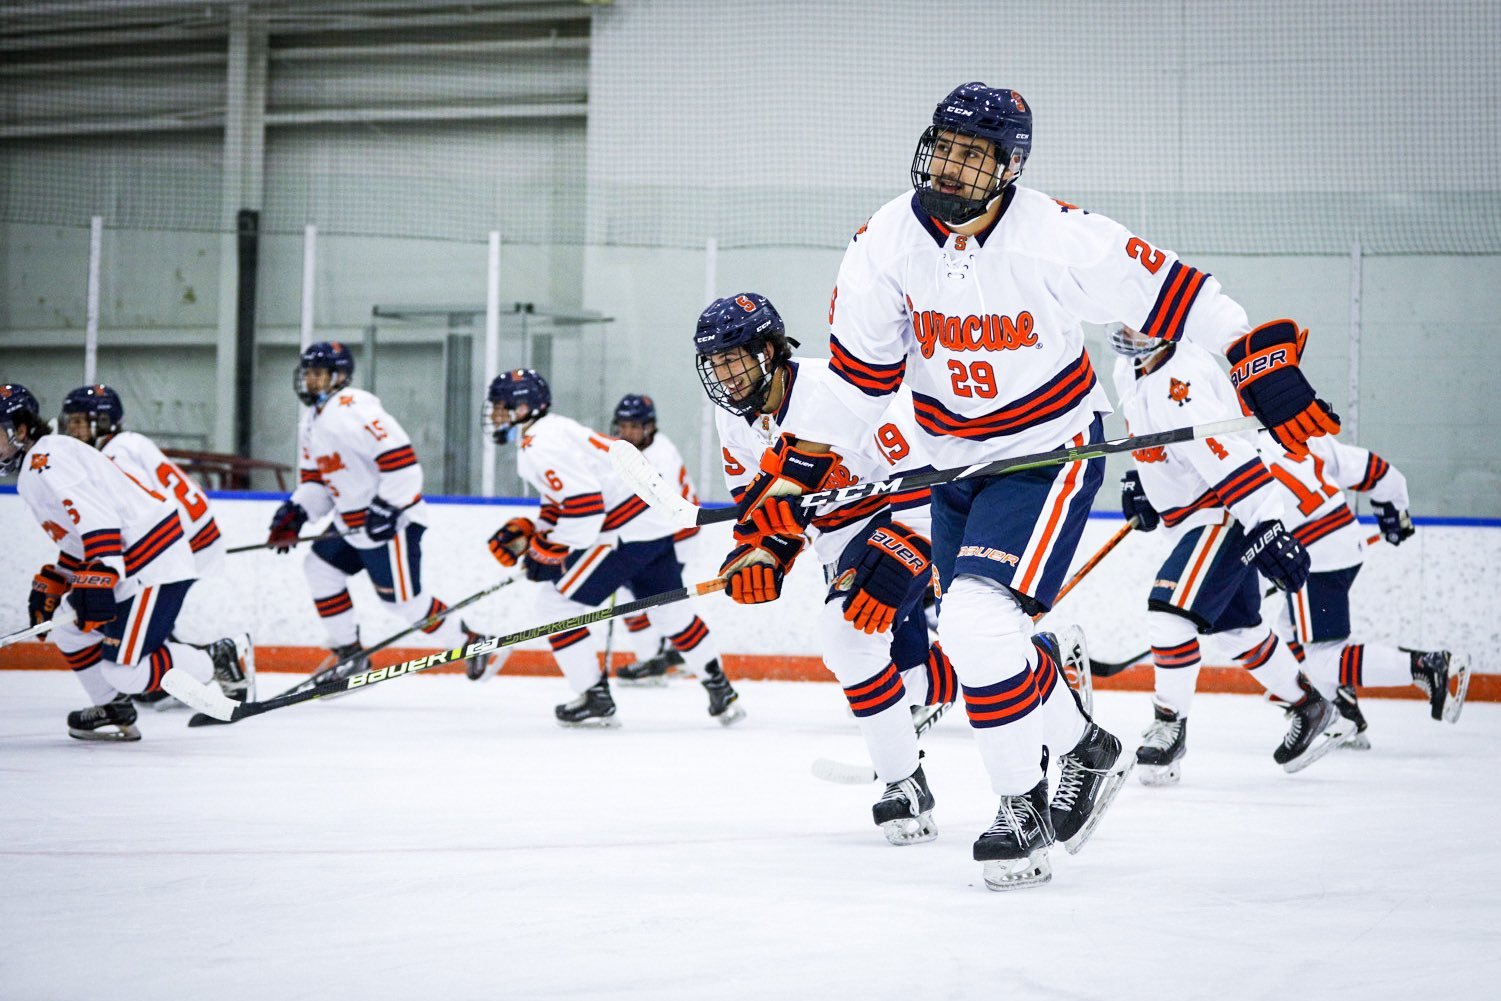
x: 191, y: 500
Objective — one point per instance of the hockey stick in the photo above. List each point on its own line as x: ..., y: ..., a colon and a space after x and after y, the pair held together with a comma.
x: 27, y: 633
x: 847, y: 774
x: 1105, y: 668
x: 478, y: 648
x: 331, y: 672
x: 327, y: 533
x: 653, y: 488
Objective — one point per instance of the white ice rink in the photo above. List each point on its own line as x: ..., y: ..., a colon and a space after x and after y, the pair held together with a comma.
x: 435, y: 839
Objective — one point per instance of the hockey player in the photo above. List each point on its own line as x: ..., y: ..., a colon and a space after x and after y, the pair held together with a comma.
x: 636, y: 422
x: 1316, y: 619
x: 94, y: 415
x: 596, y: 536
x: 124, y: 566
x: 973, y: 290
x: 358, y: 462
x: 1224, y: 516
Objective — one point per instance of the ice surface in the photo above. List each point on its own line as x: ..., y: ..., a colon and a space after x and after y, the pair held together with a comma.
x: 439, y: 839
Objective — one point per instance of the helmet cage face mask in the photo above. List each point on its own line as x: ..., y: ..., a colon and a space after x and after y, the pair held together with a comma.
x: 750, y: 366
x: 1133, y: 344
x: 944, y: 152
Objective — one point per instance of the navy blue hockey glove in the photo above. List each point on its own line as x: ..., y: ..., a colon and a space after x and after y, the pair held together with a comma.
x: 1279, y: 557
x: 544, y: 560
x: 380, y: 520
x: 93, y: 595
x: 1134, y: 503
x: 1264, y: 370
x: 286, y: 523
x: 894, y: 555
x: 47, y: 589
x: 1395, y: 525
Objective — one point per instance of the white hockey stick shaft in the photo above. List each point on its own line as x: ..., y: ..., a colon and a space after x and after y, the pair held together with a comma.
x: 26, y: 634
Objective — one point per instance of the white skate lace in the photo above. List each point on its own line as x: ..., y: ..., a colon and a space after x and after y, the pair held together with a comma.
x: 1296, y: 731
x: 1070, y: 784
x: 1161, y: 734
x: 1009, y: 819
x: 905, y: 790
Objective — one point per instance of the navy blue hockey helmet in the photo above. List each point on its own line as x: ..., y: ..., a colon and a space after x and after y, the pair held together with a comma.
x: 511, y: 390
x: 101, y: 407
x: 17, y: 408
x: 635, y: 407
x: 333, y: 357
x: 740, y: 380
x: 974, y: 110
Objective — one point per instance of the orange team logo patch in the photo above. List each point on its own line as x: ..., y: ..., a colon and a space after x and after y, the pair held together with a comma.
x: 1177, y: 391
x: 39, y: 461
x: 526, y: 441
x: 346, y: 400
x: 55, y: 530
x: 329, y: 463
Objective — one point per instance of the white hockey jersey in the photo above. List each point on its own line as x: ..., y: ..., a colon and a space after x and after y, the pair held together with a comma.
x: 96, y: 510
x: 1191, y: 483
x: 1317, y: 513
x: 986, y: 329
x: 139, y: 455
x: 665, y: 458
x: 584, y: 503
x: 352, y: 451
x: 889, y: 445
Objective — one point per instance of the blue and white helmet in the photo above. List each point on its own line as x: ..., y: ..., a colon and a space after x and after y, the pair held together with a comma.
x: 18, y: 410
x: 512, y: 390
x: 741, y: 343
x: 972, y: 109
x: 331, y: 356
x: 100, y: 404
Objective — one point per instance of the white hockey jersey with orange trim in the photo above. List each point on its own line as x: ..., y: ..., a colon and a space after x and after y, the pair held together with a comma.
x: 889, y: 446
x: 139, y: 455
x: 986, y: 329
x: 96, y: 510
x: 1318, y: 514
x: 1192, y: 483
x: 584, y: 503
x: 353, y: 450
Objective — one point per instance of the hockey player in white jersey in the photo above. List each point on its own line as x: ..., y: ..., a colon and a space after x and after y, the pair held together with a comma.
x: 358, y: 463
x: 1315, y: 621
x: 1224, y: 516
x: 635, y: 421
x: 123, y: 566
x: 95, y: 416
x: 595, y: 537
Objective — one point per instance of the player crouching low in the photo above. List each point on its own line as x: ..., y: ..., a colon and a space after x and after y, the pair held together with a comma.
x: 596, y: 536
x: 1223, y: 513
x: 124, y: 567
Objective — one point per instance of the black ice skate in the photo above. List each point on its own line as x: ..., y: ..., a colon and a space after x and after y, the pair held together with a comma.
x: 722, y: 697
x: 653, y: 671
x: 115, y: 720
x: 1349, y: 707
x: 1015, y: 849
x: 594, y: 708
x: 1315, y: 728
x: 904, y: 813
x: 486, y: 665
x: 1162, y: 748
x: 1088, y: 779
x: 234, y: 666
x: 1430, y: 672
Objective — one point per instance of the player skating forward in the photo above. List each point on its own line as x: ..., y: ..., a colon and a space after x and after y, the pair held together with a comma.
x: 124, y: 566
x: 596, y: 536
x: 95, y: 416
x: 636, y: 422
x: 1316, y: 619
x: 1223, y: 513
x: 875, y: 552
x: 972, y: 291
x: 358, y: 462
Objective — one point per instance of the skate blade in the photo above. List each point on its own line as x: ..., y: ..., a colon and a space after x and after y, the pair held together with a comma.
x: 1455, y: 703
x: 734, y: 714
x: 910, y: 830
x: 1108, y: 791
x: 1357, y: 741
x: 1160, y: 775
x: 1333, y: 737
x: 119, y: 735
x: 843, y: 773
x: 593, y: 723
x: 1014, y: 874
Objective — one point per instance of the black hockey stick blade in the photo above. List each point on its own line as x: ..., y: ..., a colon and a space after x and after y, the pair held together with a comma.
x: 1104, y: 669
x: 480, y: 647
